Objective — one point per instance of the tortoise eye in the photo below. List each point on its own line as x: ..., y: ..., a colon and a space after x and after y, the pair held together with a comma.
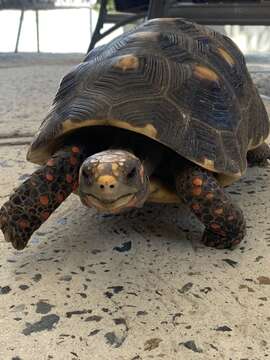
x: 132, y: 173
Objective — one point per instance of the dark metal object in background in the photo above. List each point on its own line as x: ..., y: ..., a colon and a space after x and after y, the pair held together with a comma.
x: 131, y: 5
x: 215, y: 12
x: 156, y: 8
x: 119, y: 18
x: 245, y: 12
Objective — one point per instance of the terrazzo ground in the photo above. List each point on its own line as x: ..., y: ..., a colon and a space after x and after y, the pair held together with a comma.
x: 129, y: 287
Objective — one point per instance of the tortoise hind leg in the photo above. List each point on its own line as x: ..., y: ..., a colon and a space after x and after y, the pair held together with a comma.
x: 259, y: 156
x: 224, y: 221
x: 35, y: 199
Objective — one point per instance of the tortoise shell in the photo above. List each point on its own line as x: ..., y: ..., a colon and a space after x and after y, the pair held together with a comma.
x: 177, y: 82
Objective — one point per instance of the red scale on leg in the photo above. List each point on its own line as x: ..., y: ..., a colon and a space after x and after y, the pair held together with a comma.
x: 218, y: 211
x: 44, y: 200
x: 75, y: 149
x: 23, y: 224
x: 49, y: 177
x: 51, y: 162
x: 69, y: 178
x: 197, y: 181
x: 45, y: 215
x: 36, y: 195
x: 60, y: 196
x: 223, y: 220
x: 197, y: 190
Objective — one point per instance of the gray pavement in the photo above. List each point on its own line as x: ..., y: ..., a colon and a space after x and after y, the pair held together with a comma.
x: 130, y: 287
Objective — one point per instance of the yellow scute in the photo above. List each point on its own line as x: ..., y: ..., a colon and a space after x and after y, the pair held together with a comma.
x: 209, y: 164
x: 226, y: 56
x: 148, y: 129
x: 127, y: 62
x: 204, y: 73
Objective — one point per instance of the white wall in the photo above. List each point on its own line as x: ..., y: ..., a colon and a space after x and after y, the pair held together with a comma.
x: 250, y: 39
x: 69, y: 31
x: 60, y: 30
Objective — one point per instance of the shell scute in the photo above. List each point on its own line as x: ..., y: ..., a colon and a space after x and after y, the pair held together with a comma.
x: 172, y: 80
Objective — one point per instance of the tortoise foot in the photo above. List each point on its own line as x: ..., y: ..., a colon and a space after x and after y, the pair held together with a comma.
x: 217, y: 241
x: 35, y: 199
x: 259, y: 156
x: 223, y: 219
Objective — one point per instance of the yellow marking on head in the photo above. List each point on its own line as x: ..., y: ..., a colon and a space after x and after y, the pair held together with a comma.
x: 100, y: 167
x: 115, y: 166
x: 127, y: 62
x: 115, y: 169
x: 204, y: 73
x: 106, y: 180
x: 226, y: 56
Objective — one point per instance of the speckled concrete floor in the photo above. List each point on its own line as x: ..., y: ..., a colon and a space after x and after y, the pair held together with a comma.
x: 129, y: 287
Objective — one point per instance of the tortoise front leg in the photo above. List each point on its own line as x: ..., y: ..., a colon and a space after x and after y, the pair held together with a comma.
x: 35, y: 199
x: 224, y: 221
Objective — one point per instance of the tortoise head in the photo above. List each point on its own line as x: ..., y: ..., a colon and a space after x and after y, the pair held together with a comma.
x: 113, y: 180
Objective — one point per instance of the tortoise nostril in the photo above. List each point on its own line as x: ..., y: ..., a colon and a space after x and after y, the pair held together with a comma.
x: 111, y: 186
x: 102, y: 186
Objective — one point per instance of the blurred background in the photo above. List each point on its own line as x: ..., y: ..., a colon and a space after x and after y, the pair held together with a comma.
x: 66, y: 26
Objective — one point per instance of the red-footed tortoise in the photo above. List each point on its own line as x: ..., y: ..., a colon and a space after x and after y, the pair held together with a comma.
x: 163, y: 113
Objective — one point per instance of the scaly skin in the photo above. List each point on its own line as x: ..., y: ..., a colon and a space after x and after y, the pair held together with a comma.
x: 35, y: 199
x: 224, y: 222
x: 259, y: 156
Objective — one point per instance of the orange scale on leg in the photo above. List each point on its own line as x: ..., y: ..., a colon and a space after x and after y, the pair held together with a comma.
x: 44, y: 200
x: 45, y: 215
x: 197, y: 181
x: 49, y: 177
x: 69, y: 179
x: 218, y: 211
x: 215, y: 226
x: 209, y: 196
x: 23, y: 224
x: 50, y: 162
x: 75, y: 149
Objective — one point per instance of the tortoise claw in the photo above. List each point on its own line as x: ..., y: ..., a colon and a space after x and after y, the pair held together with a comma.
x: 218, y: 241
